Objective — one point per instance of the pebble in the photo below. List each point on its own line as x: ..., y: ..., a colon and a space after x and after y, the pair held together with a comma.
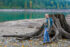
x: 12, y: 42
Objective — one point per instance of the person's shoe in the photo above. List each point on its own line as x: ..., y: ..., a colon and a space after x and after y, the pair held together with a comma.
x: 49, y: 42
x: 45, y: 43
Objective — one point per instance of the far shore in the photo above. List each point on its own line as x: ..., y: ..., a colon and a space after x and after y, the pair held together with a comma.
x: 35, y: 10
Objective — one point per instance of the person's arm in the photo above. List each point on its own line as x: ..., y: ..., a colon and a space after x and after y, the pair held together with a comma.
x: 45, y: 24
x: 52, y: 21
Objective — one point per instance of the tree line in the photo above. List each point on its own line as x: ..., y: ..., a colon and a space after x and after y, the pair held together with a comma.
x: 34, y: 4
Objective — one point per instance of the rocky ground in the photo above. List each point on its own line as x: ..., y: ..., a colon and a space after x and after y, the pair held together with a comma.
x: 12, y: 42
x: 21, y: 27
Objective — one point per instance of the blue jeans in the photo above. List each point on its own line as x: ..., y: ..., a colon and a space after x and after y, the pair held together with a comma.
x: 46, y: 36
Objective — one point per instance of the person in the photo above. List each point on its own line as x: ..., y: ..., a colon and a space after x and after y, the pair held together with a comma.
x: 48, y: 25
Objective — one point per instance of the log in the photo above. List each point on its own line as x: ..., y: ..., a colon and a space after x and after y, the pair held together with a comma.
x: 63, y: 22
x: 28, y: 35
x: 55, y: 37
x: 61, y: 30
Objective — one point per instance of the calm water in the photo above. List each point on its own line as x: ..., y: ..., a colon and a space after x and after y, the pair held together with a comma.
x: 7, y: 16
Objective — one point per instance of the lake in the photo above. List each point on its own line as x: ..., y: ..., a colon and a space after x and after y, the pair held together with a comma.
x: 17, y: 15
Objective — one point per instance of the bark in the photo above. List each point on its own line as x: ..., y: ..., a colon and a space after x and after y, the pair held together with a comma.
x: 28, y: 35
x: 61, y: 30
x: 63, y: 22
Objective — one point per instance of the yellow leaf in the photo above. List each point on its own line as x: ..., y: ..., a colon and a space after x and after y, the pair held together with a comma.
x: 0, y: 46
x: 30, y: 40
x: 5, y: 46
x: 22, y: 45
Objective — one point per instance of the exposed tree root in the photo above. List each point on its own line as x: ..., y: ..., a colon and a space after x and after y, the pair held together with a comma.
x: 60, y: 29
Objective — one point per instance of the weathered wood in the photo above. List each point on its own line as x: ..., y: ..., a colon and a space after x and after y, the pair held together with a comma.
x: 28, y: 35
x: 63, y: 22
x: 61, y: 30
x: 55, y: 37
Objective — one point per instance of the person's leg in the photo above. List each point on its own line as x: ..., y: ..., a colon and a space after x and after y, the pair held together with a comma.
x: 48, y: 38
x: 45, y: 36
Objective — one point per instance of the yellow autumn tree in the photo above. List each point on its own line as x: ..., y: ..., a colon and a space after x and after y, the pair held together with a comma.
x: 30, y: 3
